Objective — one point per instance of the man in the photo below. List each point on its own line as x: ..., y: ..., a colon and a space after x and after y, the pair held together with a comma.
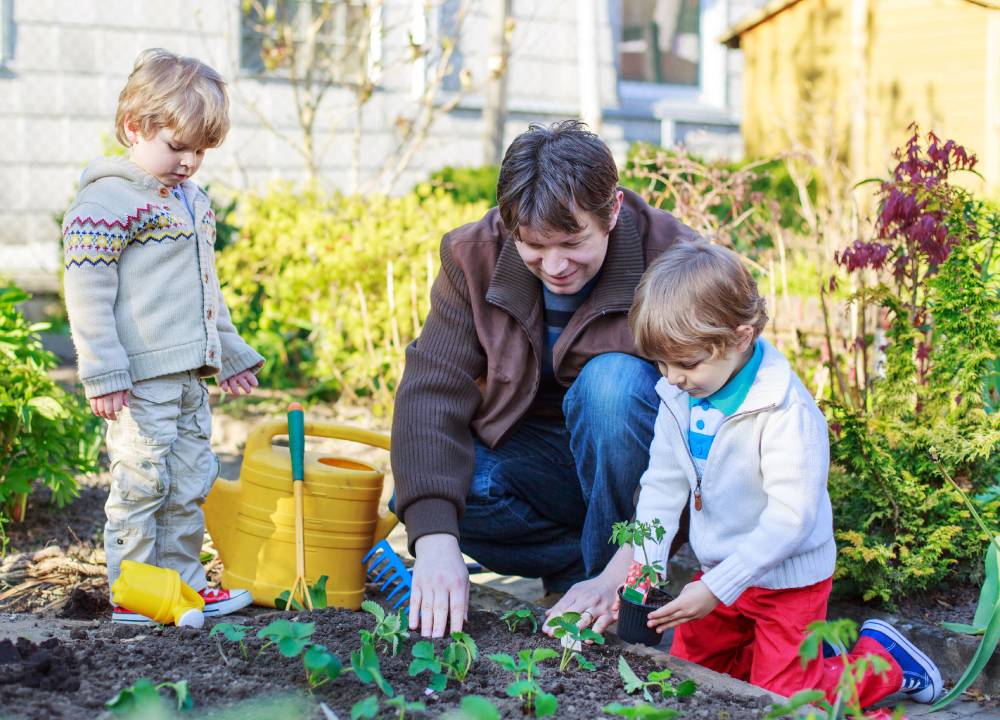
x: 523, y: 420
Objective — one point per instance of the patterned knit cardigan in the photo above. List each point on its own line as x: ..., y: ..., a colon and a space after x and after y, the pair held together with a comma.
x: 142, y: 293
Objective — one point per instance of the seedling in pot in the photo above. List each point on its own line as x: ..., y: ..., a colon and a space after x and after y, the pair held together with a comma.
x: 565, y: 628
x: 317, y: 593
x: 650, y: 574
x: 455, y: 661
x: 532, y: 696
x: 656, y: 680
x: 232, y: 633
x: 514, y: 618
x: 641, y: 710
x: 389, y: 631
x: 143, y: 698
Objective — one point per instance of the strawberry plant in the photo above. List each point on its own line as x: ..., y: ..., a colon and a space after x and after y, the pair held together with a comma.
x: 389, y: 631
x: 650, y: 574
x: 533, y: 698
x: 474, y: 707
x: 232, y: 633
x: 290, y: 636
x: 641, y: 710
x: 455, y: 661
x: 143, y: 698
x: 321, y: 665
x: 514, y: 618
x: 369, y: 707
x: 573, y: 636
x: 655, y: 681
x: 317, y: 593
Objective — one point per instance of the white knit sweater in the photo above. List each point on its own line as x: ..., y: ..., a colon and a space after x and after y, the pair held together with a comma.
x: 141, y: 289
x: 766, y: 519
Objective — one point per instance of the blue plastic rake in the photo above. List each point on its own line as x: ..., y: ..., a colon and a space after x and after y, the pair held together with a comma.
x: 386, y: 563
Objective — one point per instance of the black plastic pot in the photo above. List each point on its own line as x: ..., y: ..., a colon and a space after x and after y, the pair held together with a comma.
x: 632, y: 618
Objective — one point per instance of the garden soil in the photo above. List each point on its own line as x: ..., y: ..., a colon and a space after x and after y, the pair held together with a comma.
x: 72, y: 678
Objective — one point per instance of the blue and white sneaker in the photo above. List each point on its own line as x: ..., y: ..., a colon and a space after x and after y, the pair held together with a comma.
x: 921, y: 677
x: 830, y: 651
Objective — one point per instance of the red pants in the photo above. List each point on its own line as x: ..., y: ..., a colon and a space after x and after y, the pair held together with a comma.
x: 757, y: 638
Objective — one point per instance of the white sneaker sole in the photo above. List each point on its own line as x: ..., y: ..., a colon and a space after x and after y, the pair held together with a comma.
x: 238, y: 599
x: 937, y: 685
x: 132, y: 619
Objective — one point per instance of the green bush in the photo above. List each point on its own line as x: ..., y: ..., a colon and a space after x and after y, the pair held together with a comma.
x: 46, y: 434
x: 331, y: 288
x: 468, y: 184
x: 915, y: 411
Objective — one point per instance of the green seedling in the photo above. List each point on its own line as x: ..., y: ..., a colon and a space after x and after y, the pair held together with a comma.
x: 366, y: 667
x: 232, y: 633
x: 526, y: 688
x: 143, y: 697
x: 840, y: 634
x: 513, y: 618
x: 368, y: 708
x: 389, y: 631
x: 321, y: 665
x: 474, y: 707
x: 657, y: 680
x: 641, y: 710
x: 290, y: 636
x: 636, y: 533
x: 317, y: 593
x: 455, y: 661
x: 572, y: 636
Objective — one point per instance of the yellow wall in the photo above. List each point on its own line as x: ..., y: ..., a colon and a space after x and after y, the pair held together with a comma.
x: 936, y: 62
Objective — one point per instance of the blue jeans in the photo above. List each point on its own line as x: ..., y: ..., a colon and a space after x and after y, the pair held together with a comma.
x: 542, y: 504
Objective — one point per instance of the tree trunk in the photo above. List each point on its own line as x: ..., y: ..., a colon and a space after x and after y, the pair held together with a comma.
x: 495, y: 92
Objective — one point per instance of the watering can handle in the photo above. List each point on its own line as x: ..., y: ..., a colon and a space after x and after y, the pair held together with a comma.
x: 260, y: 438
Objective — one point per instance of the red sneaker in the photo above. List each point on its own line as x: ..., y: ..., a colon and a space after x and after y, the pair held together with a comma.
x: 124, y: 615
x: 222, y: 602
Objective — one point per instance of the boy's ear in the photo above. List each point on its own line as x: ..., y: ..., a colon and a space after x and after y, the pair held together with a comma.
x: 131, y: 129
x: 745, y: 333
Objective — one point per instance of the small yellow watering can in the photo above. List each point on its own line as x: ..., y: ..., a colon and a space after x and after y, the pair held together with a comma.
x: 252, y: 521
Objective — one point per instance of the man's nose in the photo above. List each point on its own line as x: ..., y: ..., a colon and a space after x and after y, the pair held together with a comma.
x: 553, y: 264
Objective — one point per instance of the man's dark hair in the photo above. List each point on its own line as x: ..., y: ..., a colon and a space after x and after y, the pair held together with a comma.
x: 549, y: 173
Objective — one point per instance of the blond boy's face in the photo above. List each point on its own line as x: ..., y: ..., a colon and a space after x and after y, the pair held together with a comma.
x: 702, y: 375
x: 163, y: 156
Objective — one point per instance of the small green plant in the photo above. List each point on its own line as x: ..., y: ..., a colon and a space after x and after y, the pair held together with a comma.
x: 514, y: 618
x: 317, y: 593
x: 369, y: 707
x: 143, y: 697
x: 321, y: 665
x: 389, y: 631
x: 366, y: 668
x: 525, y: 687
x: 657, y: 680
x: 573, y: 636
x: 232, y: 633
x: 474, y: 707
x: 651, y: 574
x: 290, y: 636
x: 841, y: 634
x: 455, y: 661
x: 641, y: 710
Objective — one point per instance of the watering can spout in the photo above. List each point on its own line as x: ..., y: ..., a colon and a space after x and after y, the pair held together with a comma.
x: 384, y: 525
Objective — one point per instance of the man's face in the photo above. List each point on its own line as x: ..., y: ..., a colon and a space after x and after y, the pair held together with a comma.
x: 566, y: 262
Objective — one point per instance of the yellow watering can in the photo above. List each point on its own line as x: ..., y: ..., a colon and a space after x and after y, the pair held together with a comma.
x: 252, y: 521
x: 159, y: 594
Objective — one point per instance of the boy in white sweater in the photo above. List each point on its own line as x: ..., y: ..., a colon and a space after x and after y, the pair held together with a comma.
x: 149, y: 322
x: 739, y: 434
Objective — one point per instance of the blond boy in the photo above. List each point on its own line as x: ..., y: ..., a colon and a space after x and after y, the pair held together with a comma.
x: 148, y: 319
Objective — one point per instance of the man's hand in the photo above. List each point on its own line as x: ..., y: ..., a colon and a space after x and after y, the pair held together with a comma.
x: 245, y: 381
x: 108, y: 406
x: 440, y: 586
x: 695, y: 602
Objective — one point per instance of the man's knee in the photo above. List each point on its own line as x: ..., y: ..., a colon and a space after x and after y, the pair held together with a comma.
x: 612, y: 385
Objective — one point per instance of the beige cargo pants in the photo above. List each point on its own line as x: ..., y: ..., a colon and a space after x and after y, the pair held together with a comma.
x: 162, y: 467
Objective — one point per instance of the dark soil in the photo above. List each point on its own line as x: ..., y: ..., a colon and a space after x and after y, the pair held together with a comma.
x: 74, y: 678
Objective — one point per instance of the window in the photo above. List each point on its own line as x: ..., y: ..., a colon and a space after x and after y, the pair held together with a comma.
x: 6, y: 31
x: 339, y: 32
x: 660, y: 41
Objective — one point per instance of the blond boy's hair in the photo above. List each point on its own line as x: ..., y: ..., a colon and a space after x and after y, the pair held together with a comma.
x: 179, y: 93
x: 691, y: 299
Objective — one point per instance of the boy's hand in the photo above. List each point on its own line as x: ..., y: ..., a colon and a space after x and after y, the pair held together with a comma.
x: 108, y: 406
x: 245, y: 381
x: 695, y: 602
